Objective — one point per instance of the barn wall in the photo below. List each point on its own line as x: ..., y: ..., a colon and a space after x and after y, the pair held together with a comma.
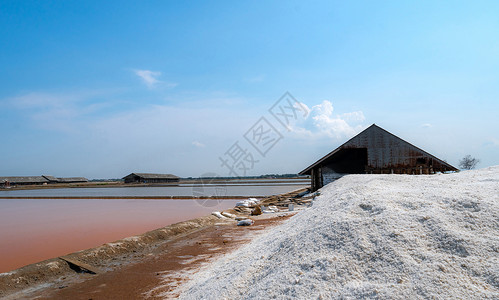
x: 135, y: 178
x: 329, y: 175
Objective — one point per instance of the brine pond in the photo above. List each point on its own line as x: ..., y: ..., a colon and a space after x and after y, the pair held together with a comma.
x: 248, y: 190
x: 32, y: 230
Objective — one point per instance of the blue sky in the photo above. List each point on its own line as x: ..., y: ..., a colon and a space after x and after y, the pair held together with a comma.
x: 104, y: 88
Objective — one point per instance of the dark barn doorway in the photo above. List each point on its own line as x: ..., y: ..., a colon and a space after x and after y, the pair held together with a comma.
x: 348, y: 161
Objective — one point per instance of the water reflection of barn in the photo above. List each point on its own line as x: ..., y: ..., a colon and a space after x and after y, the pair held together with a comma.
x: 374, y: 151
x: 150, y: 178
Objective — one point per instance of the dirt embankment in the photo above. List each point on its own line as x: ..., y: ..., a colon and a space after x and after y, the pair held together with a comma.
x: 162, y: 272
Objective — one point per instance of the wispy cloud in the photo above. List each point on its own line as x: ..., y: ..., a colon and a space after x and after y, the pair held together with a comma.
x: 426, y: 125
x: 58, y: 111
x: 40, y: 100
x: 150, y: 79
x: 198, y: 144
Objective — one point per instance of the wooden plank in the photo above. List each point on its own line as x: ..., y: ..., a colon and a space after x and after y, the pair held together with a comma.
x: 81, y: 265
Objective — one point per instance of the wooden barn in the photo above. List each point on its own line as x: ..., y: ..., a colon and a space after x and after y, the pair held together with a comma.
x: 150, y: 178
x: 37, y: 180
x: 72, y: 179
x: 52, y: 179
x: 23, y: 180
x: 374, y: 151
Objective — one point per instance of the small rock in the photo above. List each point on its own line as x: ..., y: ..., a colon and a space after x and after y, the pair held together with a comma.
x: 257, y: 211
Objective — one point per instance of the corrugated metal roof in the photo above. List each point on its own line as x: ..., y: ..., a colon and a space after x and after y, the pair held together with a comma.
x: 40, y: 179
x: 51, y: 178
x: 384, y: 150
x: 153, y: 176
x: 73, y: 179
x: 23, y: 179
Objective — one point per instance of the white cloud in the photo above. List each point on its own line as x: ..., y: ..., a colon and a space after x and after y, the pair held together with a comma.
x: 150, y: 78
x: 321, y: 122
x: 58, y: 111
x: 356, y: 116
x: 426, y: 125
x: 39, y: 100
x: 198, y: 144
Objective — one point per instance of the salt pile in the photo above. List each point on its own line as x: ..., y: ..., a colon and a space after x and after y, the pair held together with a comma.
x: 250, y: 202
x: 373, y: 236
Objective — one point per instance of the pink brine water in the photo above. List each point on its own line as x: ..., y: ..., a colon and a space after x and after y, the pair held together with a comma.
x: 35, y: 230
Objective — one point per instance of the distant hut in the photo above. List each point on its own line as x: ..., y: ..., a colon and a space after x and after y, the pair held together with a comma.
x: 37, y: 180
x: 72, y: 179
x: 374, y: 151
x: 150, y: 178
x: 23, y: 180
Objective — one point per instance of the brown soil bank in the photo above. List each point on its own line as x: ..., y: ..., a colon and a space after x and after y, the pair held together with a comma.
x: 161, y: 273
x: 146, y: 266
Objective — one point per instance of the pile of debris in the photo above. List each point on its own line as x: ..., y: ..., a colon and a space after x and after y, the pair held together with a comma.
x: 241, y: 220
x: 276, y: 203
x: 273, y: 204
x: 302, y: 197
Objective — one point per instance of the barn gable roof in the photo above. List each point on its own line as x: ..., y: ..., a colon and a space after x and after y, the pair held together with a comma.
x: 72, y: 179
x: 50, y: 178
x: 153, y: 176
x: 24, y: 179
x: 366, y: 134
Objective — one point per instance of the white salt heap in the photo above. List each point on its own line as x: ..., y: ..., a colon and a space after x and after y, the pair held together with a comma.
x: 373, y: 236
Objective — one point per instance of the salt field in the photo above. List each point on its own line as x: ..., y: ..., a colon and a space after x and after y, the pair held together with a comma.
x: 32, y: 230
x: 246, y: 189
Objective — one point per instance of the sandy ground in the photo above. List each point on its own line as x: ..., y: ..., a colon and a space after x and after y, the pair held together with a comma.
x: 155, y: 271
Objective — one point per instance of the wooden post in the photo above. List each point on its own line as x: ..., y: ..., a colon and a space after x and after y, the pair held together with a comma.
x: 81, y: 265
x: 320, y: 177
x: 312, y: 177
